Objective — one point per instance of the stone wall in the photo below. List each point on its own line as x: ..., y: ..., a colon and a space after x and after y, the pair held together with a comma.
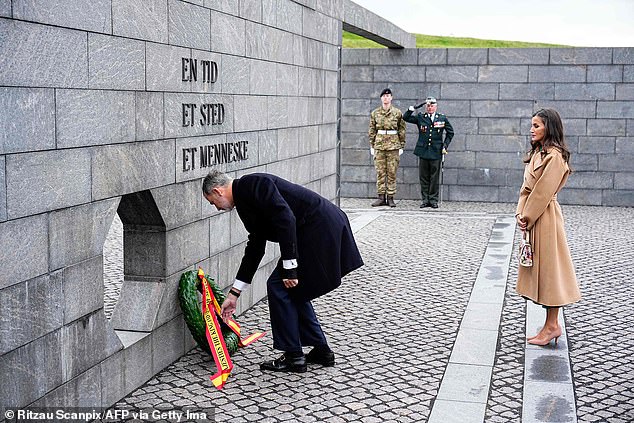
x: 489, y: 96
x: 120, y: 107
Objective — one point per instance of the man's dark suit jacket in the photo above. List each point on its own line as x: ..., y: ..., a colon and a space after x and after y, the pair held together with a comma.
x: 307, y: 227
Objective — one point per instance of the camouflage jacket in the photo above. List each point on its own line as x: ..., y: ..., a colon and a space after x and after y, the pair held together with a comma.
x: 387, y: 120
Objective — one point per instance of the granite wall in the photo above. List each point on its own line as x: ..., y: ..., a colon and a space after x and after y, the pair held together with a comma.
x: 489, y: 96
x: 120, y: 107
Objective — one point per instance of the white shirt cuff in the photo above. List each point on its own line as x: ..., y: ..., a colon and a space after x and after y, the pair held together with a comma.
x: 289, y: 264
x: 237, y: 284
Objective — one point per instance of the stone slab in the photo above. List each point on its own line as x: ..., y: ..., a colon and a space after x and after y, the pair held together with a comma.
x: 130, y: 314
x: 24, y: 246
x: 87, y: 15
x: 465, y: 382
x: 83, y: 288
x: 83, y: 344
x: 457, y: 412
x: 474, y: 346
x: 485, y: 316
x: 82, y: 391
x: 116, y: 63
x: 149, y: 116
x: 41, y: 297
x: 167, y: 343
x: 548, y: 402
x: 3, y: 191
x: 146, y: 20
x: 78, y: 233
x: 185, y: 245
x: 27, y: 122
x: 189, y: 25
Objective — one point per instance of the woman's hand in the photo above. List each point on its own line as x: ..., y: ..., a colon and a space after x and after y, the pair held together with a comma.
x: 521, y: 222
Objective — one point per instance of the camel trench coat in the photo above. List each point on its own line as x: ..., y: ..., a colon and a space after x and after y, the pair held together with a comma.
x: 551, y: 281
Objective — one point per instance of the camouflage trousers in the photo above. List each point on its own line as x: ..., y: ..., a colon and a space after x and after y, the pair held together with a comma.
x: 386, y: 164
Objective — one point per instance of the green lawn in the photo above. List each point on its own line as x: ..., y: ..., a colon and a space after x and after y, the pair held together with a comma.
x: 433, y: 41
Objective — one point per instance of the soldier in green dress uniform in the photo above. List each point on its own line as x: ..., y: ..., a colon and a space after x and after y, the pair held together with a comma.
x: 430, y: 147
x: 387, y: 140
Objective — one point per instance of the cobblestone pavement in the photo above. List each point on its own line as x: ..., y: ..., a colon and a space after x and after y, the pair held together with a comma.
x: 394, y: 321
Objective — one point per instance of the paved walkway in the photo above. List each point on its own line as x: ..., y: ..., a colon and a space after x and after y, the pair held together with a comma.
x: 430, y: 329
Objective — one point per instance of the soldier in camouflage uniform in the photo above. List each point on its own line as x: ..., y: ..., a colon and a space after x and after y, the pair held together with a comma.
x: 387, y: 140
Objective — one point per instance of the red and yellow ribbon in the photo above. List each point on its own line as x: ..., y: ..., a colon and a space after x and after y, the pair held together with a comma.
x: 214, y: 334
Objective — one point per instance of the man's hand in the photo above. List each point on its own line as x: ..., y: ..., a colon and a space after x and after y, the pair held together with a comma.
x: 289, y: 283
x: 228, y: 307
x: 372, y: 151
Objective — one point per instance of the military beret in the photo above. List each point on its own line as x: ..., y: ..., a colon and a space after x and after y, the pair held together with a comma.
x: 386, y: 91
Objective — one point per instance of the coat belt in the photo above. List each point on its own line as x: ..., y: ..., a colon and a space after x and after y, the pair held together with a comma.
x: 386, y: 132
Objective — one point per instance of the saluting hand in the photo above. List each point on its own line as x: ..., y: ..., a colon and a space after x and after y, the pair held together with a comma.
x: 290, y: 283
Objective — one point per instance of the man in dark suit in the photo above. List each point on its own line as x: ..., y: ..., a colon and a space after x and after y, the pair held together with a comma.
x: 430, y: 148
x: 317, y: 249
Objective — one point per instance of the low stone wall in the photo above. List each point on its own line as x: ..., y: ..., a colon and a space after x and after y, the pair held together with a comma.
x: 489, y: 96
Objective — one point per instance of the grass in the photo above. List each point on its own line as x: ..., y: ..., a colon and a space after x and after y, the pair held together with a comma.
x: 351, y: 40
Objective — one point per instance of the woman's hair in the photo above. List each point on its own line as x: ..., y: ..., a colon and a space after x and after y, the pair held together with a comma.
x: 553, y: 135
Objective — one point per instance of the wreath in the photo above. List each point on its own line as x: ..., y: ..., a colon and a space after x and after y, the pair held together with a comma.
x: 189, y: 296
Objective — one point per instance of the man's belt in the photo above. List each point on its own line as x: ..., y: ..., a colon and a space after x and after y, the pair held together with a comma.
x: 386, y: 132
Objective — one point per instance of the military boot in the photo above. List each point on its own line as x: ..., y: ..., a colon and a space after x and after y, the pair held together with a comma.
x: 380, y: 201
x: 390, y: 201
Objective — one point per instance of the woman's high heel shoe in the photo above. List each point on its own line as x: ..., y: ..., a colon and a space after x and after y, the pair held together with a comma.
x: 544, y: 342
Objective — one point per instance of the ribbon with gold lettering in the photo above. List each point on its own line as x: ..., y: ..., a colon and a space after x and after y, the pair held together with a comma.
x: 214, y: 334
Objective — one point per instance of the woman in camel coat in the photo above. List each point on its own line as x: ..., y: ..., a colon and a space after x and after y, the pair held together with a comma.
x: 551, y: 281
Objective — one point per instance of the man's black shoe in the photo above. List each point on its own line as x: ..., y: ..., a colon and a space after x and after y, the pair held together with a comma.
x: 285, y: 364
x: 325, y: 359
x: 423, y: 205
x: 434, y: 206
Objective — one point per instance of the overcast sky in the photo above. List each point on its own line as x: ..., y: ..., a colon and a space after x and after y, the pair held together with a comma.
x: 600, y: 23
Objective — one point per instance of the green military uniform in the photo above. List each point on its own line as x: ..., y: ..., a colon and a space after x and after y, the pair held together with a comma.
x: 387, y: 137
x: 429, y: 148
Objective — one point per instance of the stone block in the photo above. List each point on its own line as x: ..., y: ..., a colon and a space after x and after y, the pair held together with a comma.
x: 167, y: 344
x: 356, y: 107
x: 571, y: 127
x: 501, y: 109
x: 318, y: 26
x: 358, y: 124
x: 179, y: 204
x: 112, y: 377
x: 432, y: 56
x: 472, y: 91
x: 169, y: 306
x: 587, y: 162
x: 164, y: 68
x: 606, y: 127
x: 628, y: 73
x: 189, y: 25
x: 597, y: 144
x: 580, y: 55
x: 496, y: 73
x: 27, y: 122
x: 83, y: 288
x: 3, y: 191
x: 615, y: 109
x: 623, y: 55
x: 93, y: 16
x: 451, y: 74
x: 94, y: 117
x: 356, y: 56
x: 460, y: 159
x: 83, y: 344
x: 360, y: 73
x: 146, y: 20
x: 286, y: 79
x: 605, y: 73
x: 360, y: 90
x: 308, y: 140
x: 473, y: 193
x: 188, y: 166
x: 389, y: 74
x: 138, y: 363
x: 20, y: 303
x: 17, y: 366
x: 615, y: 162
x: 591, y: 180
x: 483, y: 177
x: 253, y: 106
x: 618, y: 198
x: 570, y: 108
x: 149, y: 116
x: 236, y: 75
x: 358, y: 174
x: 495, y: 143
x: 130, y: 314
x: 5, y: 10
x: 251, y: 9
x: 518, y: 56
x: 144, y: 252
x: 474, y: 346
x: 331, y: 84
x: 329, y: 112
x: 623, y: 180
x: 115, y: 63
x: 467, y: 56
x: 200, y: 82
x: 502, y: 160
x: 315, y: 111
x: 66, y: 173
x: 288, y: 17
x: 141, y: 165
x: 499, y: 126
x: 563, y: 73
x: 587, y: 197
x: 267, y: 142
x: 307, y: 52
x: 277, y: 112
x: 62, y: 59
x: 185, y: 245
x: 584, y: 91
x: 310, y: 82
x: 624, y: 145
x: 78, y: 233
x: 24, y: 245
x: 82, y: 391
x: 266, y: 43
x: 545, y: 91
x: 393, y: 57
x: 625, y: 92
